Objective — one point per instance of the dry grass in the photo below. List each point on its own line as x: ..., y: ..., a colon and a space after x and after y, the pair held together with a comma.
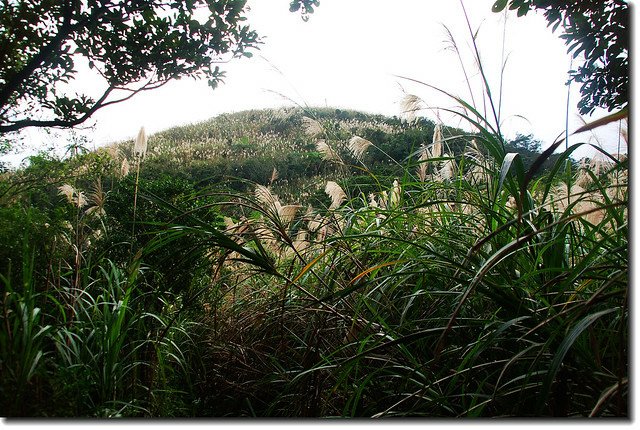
x: 328, y: 153
x: 336, y: 193
x: 358, y: 146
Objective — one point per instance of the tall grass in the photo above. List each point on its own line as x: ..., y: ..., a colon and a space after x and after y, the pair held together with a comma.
x: 23, y: 340
x: 118, y: 352
x: 478, y: 290
x: 446, y: 300
x: 463, y: 285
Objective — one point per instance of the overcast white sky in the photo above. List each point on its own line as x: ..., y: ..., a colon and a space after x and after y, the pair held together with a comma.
x: 348, y: 55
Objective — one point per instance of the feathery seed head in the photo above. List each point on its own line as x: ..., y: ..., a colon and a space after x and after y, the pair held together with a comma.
x: 98, y: 199
x: 312, y: 128
x: 274, y: 175
x: 124, y: 168
x: 300, y: 243
x: 563, y: 194
x: 372, y: 200
x: 394, y: 199
x: 97, y: 211
x: 315, y: 223
x: 421, y: 171
x: 618, y: 190
x: 327, y: 152
x: 474, y: 145
x: 140, y: 145
x: 436, y: 148
x: 598, y: 164
x: 383, y: 199
x: 336, y: 193
x: 288, y: 212
x: 448, y: 170
x: 358, y: 146
x: 268, y: 199
x: 409, y: 105
x: 477, y: 174
x: 583, y: 179
x: 112, y: 150
x: 68, y: 191
x: 228, y: 223
x: 72, y: 195
x: 80, y: 199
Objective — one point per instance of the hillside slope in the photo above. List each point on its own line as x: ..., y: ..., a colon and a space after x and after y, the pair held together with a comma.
x: 300, y: 149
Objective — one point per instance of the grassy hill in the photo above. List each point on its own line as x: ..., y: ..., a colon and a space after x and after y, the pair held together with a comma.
x: 250, y: 145
x: 315, y: 262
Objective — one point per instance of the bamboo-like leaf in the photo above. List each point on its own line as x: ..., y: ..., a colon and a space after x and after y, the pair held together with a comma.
x: 562, y: 350
x: 616, y: 116
x: 308, y: 266
x: 371, y: 269
x: 607, y: 394
x: 513, y: 162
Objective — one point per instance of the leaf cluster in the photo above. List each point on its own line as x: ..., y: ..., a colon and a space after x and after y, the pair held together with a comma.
x: 133, y: 46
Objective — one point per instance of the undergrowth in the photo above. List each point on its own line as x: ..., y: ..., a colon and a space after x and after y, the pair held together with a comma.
x: 398, y: 276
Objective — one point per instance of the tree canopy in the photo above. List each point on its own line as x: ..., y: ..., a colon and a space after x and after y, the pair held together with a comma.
x: 304, y: 6
x: 134, y: 45
x: 598, y: 29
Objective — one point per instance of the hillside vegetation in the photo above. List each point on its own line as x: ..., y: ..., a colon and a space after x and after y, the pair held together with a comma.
x: 315, y: 262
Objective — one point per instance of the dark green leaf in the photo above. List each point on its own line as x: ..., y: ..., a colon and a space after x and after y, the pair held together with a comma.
x: 499, y: 5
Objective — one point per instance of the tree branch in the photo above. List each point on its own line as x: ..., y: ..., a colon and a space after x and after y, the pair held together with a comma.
x: 18, y: 125
x: 99, y: 104
x: 65, y: 30
x: 36, y: 61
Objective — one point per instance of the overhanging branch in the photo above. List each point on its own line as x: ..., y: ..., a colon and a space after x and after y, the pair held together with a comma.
x: 99, y: 104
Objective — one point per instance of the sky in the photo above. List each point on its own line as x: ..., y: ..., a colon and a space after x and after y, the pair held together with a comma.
x: 353, y: 53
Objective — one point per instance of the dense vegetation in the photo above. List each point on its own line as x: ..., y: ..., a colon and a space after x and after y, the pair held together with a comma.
x: 315, y: 262
x: 304, y: 262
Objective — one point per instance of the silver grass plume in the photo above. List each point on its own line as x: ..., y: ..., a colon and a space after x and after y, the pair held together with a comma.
x: 140, y: 145
x: 477, y: 172
x: 336, y: 193
x: 139, y: 151
x: 228, y: 223
x: 409, y: 105
x: 72, y: 195
x: 327, y: 152
x: 394, y: 199
x: 563, y: 194
x: 597, y: 165
x: 68, y: 191
x: 583, y: 179
x: 372, y: 201
x: 238, y: 228
x: 315, y: 223
x: 124, y: 168
x: 448, y: 170
x: 581, y: 202
x: 358, y: 146
x: 383, y: 200
x: 287, y: 213
x: 618, y: 190
x: 98, y: 199
x: 274, y: 176
x: 436, y: 146
x: 308, y: 214
x: 301, y: 243
x: 266, y: 198
x: 312, y: 128
x: 81, y: 200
